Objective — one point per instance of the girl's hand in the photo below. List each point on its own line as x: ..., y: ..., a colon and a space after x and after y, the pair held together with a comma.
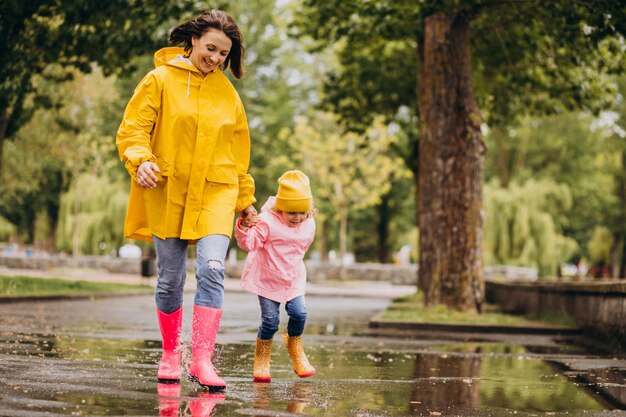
x: 249, y: 216
x: 251, y: 222
x: 146, y: 175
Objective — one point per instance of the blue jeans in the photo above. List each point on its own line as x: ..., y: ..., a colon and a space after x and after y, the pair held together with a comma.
x: 172, y: 271
x: 270, y: 317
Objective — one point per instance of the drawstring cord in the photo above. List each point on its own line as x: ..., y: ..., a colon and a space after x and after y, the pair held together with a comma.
x: 188, y: 81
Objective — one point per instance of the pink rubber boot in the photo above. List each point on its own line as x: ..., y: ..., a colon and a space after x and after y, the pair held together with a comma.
x: 170, y: 324
x: 206, y: 321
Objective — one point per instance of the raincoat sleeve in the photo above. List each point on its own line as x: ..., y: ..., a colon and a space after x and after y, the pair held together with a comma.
x: 133, y: 136
x: 251, y: 238
x: 241, y: 149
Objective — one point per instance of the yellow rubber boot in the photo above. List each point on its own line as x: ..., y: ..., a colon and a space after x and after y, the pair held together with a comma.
x: 299, y: 361
x: 262, y: 354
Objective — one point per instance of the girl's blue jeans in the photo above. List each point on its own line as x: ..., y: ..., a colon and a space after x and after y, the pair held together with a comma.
x: 172, y: 271
x: 270, y: 317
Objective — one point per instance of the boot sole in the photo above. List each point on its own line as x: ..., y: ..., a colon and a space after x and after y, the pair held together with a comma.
x: 306, y: 375
x: 211, y: 388
x: 258, y: 379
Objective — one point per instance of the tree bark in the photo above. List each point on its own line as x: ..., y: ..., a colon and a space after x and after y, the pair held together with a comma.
x: 384, y: 215
x: 4, y: 124
x: 343, y: 233
x: 451, y: 168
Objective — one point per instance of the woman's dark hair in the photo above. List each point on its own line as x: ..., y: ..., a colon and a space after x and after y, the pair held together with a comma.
x: 219, y: 20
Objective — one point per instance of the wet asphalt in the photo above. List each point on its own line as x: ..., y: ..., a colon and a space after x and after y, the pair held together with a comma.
x: 99, y: 357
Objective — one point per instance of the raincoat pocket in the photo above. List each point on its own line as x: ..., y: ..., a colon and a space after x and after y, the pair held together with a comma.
x: 223, y: 174
x: 271, y: 279
x: 165, y: 165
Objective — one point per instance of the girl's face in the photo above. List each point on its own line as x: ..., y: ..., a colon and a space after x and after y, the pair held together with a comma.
x: 210, y: 50
x: 293, y: 219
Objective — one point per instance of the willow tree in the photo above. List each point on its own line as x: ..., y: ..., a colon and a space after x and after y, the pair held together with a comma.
x: 466, y: 63
x: 524, y: 225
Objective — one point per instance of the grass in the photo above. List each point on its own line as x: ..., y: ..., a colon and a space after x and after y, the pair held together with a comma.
x: 411, y: 309
x: 22, y: 286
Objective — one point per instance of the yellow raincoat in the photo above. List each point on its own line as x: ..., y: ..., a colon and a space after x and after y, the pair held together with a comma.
x: 194, y: 128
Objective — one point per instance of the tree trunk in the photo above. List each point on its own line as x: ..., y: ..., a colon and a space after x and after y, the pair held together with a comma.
x: 621, y: 233
x: 384, y: 216
x: 343, y: 233
x: 503, y: 164
x: 451, y: 168
x: 4, y: 124
x: 616, y: 253
x: 323, y: 240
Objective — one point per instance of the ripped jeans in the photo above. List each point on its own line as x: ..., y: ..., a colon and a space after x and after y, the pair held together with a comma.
x: 172, y: 267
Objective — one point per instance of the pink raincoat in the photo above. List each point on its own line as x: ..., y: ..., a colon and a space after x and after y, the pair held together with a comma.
x: 275, y: 267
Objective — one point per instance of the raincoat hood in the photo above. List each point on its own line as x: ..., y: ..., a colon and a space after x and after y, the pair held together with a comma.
x: 173, y: 56
x: 269, y: 204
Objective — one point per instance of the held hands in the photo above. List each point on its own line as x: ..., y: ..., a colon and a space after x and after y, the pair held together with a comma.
x: 249, y: 216
x: 146, y: 174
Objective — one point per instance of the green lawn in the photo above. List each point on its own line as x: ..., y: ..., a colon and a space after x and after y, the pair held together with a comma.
x: 411, y: 309
x: 22, y: 286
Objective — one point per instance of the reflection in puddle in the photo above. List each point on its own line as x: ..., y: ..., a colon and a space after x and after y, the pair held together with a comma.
x: 72, y: 375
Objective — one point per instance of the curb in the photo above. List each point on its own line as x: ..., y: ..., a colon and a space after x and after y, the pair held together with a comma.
x: 469, y: 328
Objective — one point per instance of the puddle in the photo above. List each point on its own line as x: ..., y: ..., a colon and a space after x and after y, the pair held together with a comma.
x: 76, y: 376
x: 64, y: 367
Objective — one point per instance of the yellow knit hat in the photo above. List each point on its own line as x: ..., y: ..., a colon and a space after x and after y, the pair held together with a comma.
x: 294, y: 192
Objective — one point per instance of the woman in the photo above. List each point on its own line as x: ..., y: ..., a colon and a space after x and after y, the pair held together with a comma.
x: 185, y: 142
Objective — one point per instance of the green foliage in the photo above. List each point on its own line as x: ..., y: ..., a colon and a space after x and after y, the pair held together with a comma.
x: 600, y: 245
x: 279, y: 84
x: 27, y: 286
x: 532, y: 56
x: 572, y: 149
x: 76, y: 137
x: 523, y: 225
x: 92, y: 211
x: 351, y: 171
x: 7, y: 229
x: 73, y: 33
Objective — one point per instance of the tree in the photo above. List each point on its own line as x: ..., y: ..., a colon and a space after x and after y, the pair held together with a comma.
x: 502, y: 55
x: 350, y: 171
x: 77, y: 138
x: 524, y: 223
x: 72, y: 33
x: 573, y: 150
x: 616, y: 218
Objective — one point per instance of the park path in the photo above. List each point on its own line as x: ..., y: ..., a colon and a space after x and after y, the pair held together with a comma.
x: 98, y: 357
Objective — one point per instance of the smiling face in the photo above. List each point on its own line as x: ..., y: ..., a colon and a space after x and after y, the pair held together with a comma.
x: 293, y: 219
x: 210, y: 50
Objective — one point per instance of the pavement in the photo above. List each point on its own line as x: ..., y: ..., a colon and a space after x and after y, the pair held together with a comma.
x: 373, y: 289
x: 417, y: 365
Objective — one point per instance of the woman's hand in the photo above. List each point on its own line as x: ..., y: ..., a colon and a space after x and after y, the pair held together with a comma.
x: 249, y: 216
x: 146, y: 174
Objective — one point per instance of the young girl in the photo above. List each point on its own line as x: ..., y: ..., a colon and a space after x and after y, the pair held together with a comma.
x: 276, y: 242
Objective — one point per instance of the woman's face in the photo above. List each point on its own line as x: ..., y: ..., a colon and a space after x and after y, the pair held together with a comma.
x: 210, y: 50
